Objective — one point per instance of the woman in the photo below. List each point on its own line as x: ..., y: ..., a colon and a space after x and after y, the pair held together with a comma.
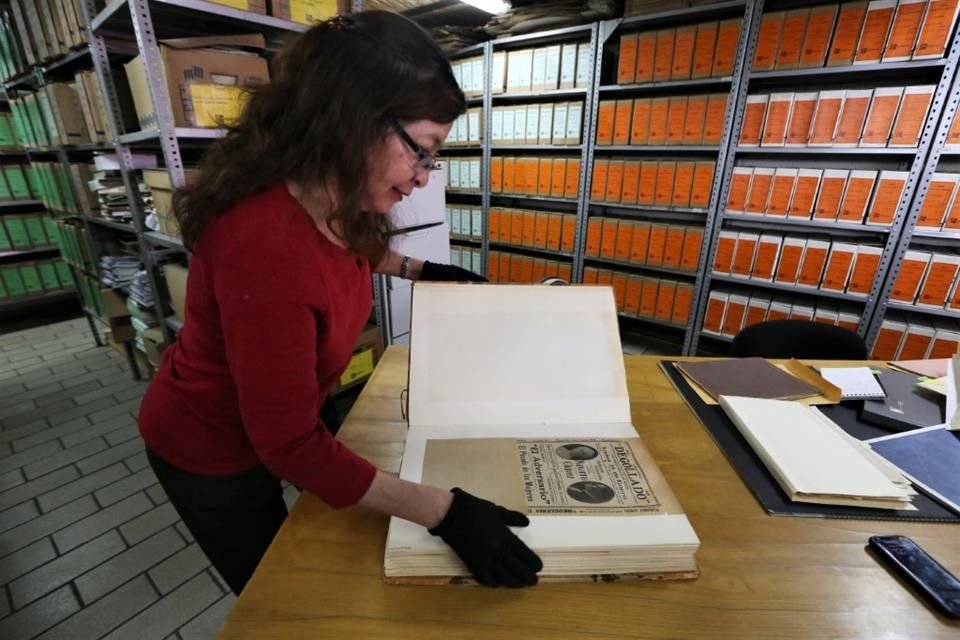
x: 284, y: 221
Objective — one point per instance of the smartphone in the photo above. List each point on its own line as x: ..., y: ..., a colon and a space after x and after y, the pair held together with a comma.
x: 925, y: 575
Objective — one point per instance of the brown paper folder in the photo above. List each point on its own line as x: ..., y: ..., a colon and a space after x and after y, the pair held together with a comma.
x: 746, y: 377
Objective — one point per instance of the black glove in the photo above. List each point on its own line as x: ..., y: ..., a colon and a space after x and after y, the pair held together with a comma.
x: 477, y: 530
x: 433, y: 272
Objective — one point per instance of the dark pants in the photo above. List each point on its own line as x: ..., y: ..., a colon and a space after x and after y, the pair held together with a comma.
x: 233, y: 518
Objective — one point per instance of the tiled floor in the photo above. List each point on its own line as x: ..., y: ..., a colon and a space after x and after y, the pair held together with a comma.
x: 89, y: 545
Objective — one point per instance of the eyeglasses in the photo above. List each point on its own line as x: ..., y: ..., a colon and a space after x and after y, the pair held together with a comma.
x: 425, y: 160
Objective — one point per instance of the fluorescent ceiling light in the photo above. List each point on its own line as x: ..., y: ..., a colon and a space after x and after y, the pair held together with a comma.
x: 490, y: 6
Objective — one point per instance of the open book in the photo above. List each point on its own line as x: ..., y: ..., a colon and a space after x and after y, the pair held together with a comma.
x: 518, y: 394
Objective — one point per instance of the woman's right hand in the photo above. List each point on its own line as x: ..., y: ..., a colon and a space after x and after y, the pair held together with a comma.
x: 478, y: 531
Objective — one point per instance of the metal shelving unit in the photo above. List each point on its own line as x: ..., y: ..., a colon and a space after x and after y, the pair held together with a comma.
x: 933, y: 311
x: 666, y: 85
x: 914, y: 160
x: 640, y: 267
x: 786, y: 288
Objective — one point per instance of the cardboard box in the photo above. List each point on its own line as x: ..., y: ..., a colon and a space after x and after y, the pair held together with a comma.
x: 176, y: 279
x: 253, y: 6
x: 153, y: 345
x: 205, y: 84
x: 158, y: 180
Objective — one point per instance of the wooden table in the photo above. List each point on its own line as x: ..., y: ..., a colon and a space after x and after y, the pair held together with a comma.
x: 762, y: 576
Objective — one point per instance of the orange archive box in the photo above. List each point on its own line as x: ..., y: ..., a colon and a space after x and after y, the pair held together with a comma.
x: 682, y: 185
x: 564, y: 271
x: 594, y: 233
x: 788, y: 266
x: 791, y: 38
x: 657, y: 128
x: 544, y: 176
x: 676, y: 117
x: 953, y: 216
x: 624, y: 240
x: 753, y: 117
x: 640, y: 122
x: 540, y: 229
x: 558, y: 175
x: 912, y: 270
x: 663, y: 194
x: 839, y: 265
x: 725, y: 54
x: 864, y: 270
x: 503, y: 267
x: 941, y: 275
x: 666, y: 292
x: 846, y: 36
x: 519, y: 175
x: 695, y: 118
x: 886, y: 197
x: 825, y: 315
x: 632, y: 303
x: 723, y: 257
x: 739, y: 187
x: 517, y: 219
x: 765, y: 54
x: 663, y: 60
x: 814, y: 259
x: 568, y: 232
x: 598, y: 185
x: 801, y: 116
x: 648, y: 297
x: 781, y: 191
x: 493, y: 263
x: 614, y: 181
x: 646, y: 52
x: 778, y: 311
x: 554, y: 231
x: 503, y: 232
x: 606, y: 114
x: 744, y: 254
x: 853, y: 207
x: 703, y: 50
x: 620, y: 289
x: 825, y: 118
x: 692, y: 243
x: 526, y: 269
x: 736, y: 312
x: 673, y: 246
x: 916, y: 340
x: 946, y: 342
x: 682, y: 302
x: 937, y: 27
x: 757, y: 309
x: 883, y: 111
x: 801, y: 312
x: 631, y: 182
x: 775, y: 123
x: 509, y: 175
x: 876, y: 26
x: 529, y: 228
x: 656, y: 244
x: 852, y: 116
x: 888, y: 341
x: 912, y: 114
x: 621, y: 123
x: 627, y: 62
x: 713, y: 123
x: 765, y: 263
x: 831, y: 192
x: 496, y: 175
x: 638, y: 245
x: 572, y: 188
x: 805, y: 193
x: 531, y: 176
x: 953, y: 137
x: 646, y: 192
x: 493, y: 224
x: 903, y: 33
x: 539, y: 270
x: 759, y: 190
x: 683, y: 52
x: 816, y: 41
x: 939, y: 197
x: 716, y: 309
x: 702, y: 184
x: 608, y: 239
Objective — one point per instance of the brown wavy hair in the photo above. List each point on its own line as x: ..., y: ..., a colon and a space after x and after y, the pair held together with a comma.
x: 327, y: 108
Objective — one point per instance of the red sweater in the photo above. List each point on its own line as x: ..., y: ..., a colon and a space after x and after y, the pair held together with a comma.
x: 273, y: 310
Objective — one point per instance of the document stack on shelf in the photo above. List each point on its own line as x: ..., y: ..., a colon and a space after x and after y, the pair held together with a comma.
x: 518, y: 394
x: 140, y: 290
x: 118, y: 271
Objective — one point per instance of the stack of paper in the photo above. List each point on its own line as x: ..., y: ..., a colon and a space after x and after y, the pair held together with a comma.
x: 855, y: 383
x: 812, y: 459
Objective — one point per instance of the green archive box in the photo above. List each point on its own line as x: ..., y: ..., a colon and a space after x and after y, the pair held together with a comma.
x: 7, y: 139
x: 52, y: 230
x: 48, y: 276
x: 35, y: 230
x: 5, y: 194
x: 35, y: 182
x: 11, y: 278
x: 31, y: 278
x: 5, y: 244
x: 36, y: 121
x: 64, y: 273
x: 17, y: 181
x: 3, y: 289
x: 17, y: 231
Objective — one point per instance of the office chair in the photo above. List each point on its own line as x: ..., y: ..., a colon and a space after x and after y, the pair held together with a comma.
x: 798, y: 339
